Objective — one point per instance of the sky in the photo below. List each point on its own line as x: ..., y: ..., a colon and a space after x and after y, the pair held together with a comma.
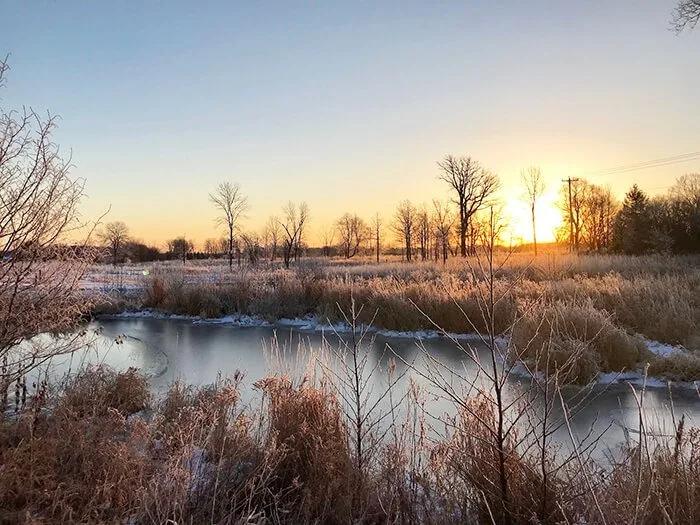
x: 348, y: 105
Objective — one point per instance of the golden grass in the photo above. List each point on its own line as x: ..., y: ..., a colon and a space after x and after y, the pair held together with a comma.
x: 679, y: 366
x: 578, y: 340
x: 198, y: 456
x: 658, y: 483
x: 618, y: 296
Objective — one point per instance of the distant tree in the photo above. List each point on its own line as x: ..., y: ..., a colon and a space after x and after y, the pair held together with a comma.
x: 252, y: 248
x: 589, y: 214
x: 633, y: 225
x: 114, y: 235
x: 686, y: 14
x: 423, y: 231
x: 571, y: 205
x: 534, y: 189
x: 404, y: 226
x: 179, y: 248
x: 139, y: 252
x: 599, y: 209
x: 232, y: 204
x: 353, y: 232
x: 663, y: 220
x: 376, y: 233
x: 272, y: 234
x: 303, y: 217
x: 684, y: 202
x: 293, y: 224
x: 443, y: 222
x: 327, y: 238
x: 211, y: 247
x: 472, y: 185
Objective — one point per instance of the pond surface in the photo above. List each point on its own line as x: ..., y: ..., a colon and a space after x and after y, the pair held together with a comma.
x: 198, y: 353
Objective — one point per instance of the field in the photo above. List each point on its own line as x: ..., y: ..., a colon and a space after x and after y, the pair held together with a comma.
x: 627, y: 311
x: 315, y: 445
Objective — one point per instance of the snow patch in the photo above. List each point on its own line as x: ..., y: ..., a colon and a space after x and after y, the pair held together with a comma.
x: 662, y: 349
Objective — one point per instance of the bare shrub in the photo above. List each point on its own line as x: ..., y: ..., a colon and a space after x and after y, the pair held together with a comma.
x: 104, y: 389
x: 155, y: 293
x: 40, y: 272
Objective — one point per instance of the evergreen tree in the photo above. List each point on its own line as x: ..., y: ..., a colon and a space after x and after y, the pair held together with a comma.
x: 634, y: 232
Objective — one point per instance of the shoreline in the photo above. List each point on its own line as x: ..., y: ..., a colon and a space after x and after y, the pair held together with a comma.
x: 313, y: 324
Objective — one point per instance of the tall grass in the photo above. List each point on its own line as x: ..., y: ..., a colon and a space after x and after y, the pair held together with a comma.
x: 198, y: 456
x: 612, y: 298
x: 653, y: 296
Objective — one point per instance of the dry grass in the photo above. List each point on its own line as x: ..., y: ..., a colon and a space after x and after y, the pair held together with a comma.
x: 578, y: 340
x: 100, y: 450
x: 80, y: 461
x: 651, y: 295
x: 657, y: 482
x: 197, y: 456
x: 679, y: 366
x: 610, y: 297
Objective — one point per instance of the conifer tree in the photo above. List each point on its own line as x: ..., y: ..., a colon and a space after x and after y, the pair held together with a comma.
x: 633, y: 225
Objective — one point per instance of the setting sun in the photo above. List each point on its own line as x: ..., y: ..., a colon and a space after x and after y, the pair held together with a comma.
x: 547, y: 219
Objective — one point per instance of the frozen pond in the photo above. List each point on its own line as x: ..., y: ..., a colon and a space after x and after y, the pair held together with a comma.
x: 197, y: 353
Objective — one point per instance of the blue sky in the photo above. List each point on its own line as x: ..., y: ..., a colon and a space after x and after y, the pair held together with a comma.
x: 347, y: 105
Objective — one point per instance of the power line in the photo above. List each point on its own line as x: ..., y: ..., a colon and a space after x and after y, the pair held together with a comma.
x: 655, y: 163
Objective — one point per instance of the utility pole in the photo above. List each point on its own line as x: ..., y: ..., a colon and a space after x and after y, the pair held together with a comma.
x: 571, y: 214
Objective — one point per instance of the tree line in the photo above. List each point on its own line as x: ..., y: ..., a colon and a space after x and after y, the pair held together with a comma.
x: 593, y: 220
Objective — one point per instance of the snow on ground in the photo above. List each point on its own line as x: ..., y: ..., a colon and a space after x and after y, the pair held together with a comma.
x: 662, y: 349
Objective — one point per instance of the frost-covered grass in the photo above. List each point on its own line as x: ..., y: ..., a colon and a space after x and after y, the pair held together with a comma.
x: 614, y: 298
x: 101, y: 449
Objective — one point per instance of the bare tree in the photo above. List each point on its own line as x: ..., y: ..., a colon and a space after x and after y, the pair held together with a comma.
x: 534, y: 189
x: 423, y: 230
x: 303, y: 216
x: 272, y: 233
x: 211, y: 247
x: 598, y: 217
x: 114, y: 235
x: 353, y: 233
x: 443, y: 222
x: 376, y: 233
x: 40, y: 274
x: 295, y: 218
x: 587, y: 215
x: 222, y: 245
x: 251, y: 244
x: 571, y: 203
x: 327, y: 238
x: 473, y: 187
x: 686, y: 14
x: 180, y: 248
x: 687, y: 189
x: 404, y: 226
x: 232, y: 204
